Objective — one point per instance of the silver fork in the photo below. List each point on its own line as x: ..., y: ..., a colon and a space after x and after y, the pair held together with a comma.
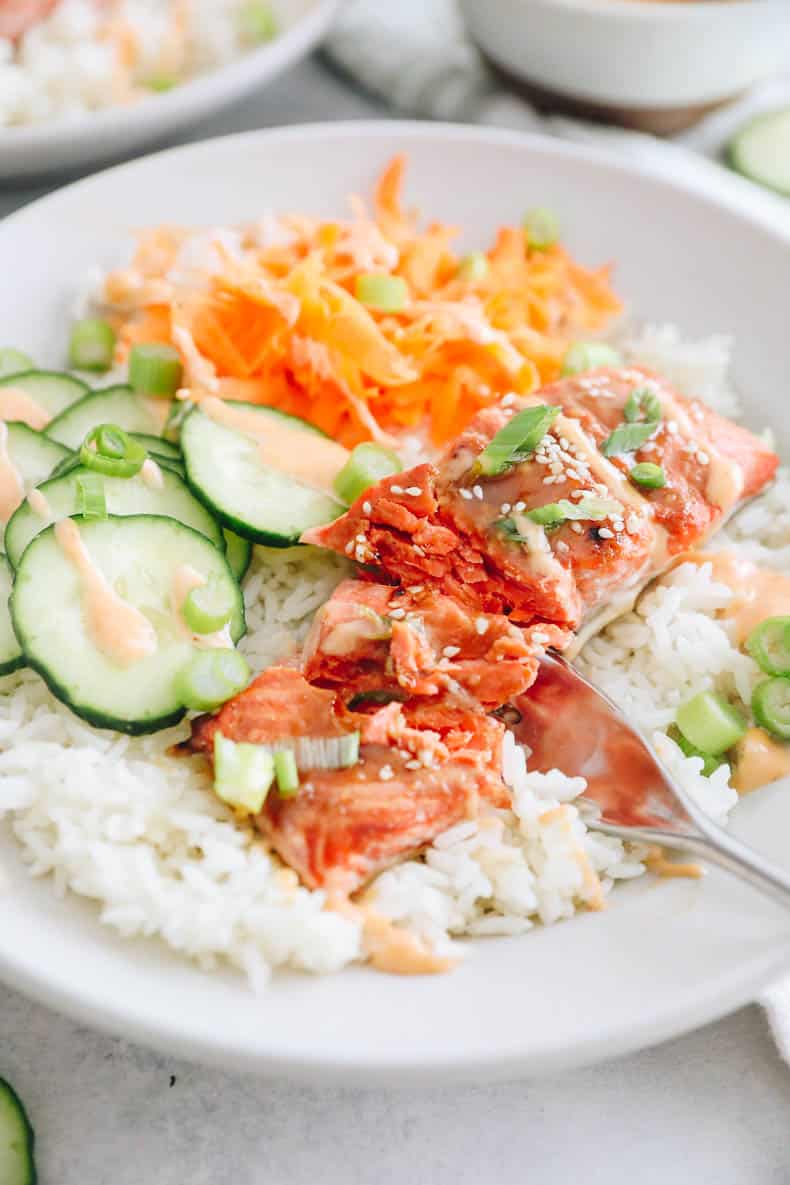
x: 571, y: 725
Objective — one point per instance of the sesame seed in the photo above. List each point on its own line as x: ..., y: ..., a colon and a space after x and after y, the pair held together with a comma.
x: 396, y: 489
x: 397, y: 614
x: 633, y: 523
x: 359, y: 554
x: 672, y: 427
x: 451, y: 651
x: 361, y: 538
x: 541, y: 459
x: 564, y: 443
x: 412, y: 764
x: 605, y: 533
x: 466, y: 494
x: 519, y: 507
x: 562, y: 546
x: 366, y: 508
x: 416, y: 588
x: 508, y: 399
x: 349, y: 547
x: 478, y: 492
x: 702, y: 457
x: 481, y: 625
x: 504, y: 508
x: 413, y: 491
x: 577, y: 528
x: 539, y: 638
x: 386, y: 773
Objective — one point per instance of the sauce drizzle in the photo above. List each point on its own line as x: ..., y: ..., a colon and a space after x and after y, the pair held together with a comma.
x: 12, y: 489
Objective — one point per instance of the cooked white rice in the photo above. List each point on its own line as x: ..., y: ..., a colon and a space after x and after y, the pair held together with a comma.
x: 117, y: 820
x: 66, y: 66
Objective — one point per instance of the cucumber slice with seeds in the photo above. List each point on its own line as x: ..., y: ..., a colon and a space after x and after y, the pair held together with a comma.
x: 139, y: 558
x: 115, y: 405
x: 761, y: 150
x: 11, y: 657
x: 52, y: 390
x: 124, y: 495
x: 258, y: 502
x: 17, y: 1164
x: 32, y: 455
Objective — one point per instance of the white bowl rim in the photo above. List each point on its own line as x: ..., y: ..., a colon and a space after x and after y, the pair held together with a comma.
x: 660, y: 10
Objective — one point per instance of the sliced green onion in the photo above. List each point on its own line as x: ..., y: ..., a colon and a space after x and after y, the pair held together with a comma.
x: 286, y: 773
x: 365, y: 467
x: 516, y: 441
x: 628, y: 438
x: 550, y: 515
x: 91, y: 500
x: 211, y: 677
x: 710, y: 724
x: 243, y: 773
x: 161, y: 83
x: 646, y: 474
x: 709, y: 763
x: 348, y: 750
x: 155, y: 369
x: 642, y: 402
x: 771, y: 706
x: 769, y: 645
x: 378, y: 290
x: 109, y: 450
x: 589, y: 508
x: 92, y: 345
x: 542, y: 228
x: 257, y: 22
x: 509, y: 528
x: 208, y: 607
x: 583, y: 356
x: 14, y: 361
x: 473, y: 267
x: 375, y: 695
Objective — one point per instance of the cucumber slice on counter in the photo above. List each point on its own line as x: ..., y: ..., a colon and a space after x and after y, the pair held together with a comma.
x: 50, y: 389
x: 124, y: 496
x: 138, y: 558
x: 761, y: 150
x: 32, y: 455
x: 238, y: 553
x: 17, y: 1166
x: 11, y: 657
x: 258, y: 502
x: 115, y: 405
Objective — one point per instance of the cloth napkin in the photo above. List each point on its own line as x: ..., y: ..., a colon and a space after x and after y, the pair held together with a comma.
x: 415, y: 56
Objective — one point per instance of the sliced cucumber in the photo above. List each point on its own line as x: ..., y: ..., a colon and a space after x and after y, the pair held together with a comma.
x: 10, y: 651
x: 32, y: 455
x: 258, y: 502
x: 139, y: 558
x: 50, y: 389
x: 17, y: 1165
x: 238, y: 553
x: 124, y: 496
x: 157, y: 446
x: 761, y: 150
x: 115, y: 405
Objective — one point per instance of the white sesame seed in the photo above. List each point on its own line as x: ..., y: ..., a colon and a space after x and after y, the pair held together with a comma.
x: 702, y: 457
x: 481, y: 625
x: 359, y: 554
x: 508, y: 399
x: 466, y: 495
x: 539, y: 638
x: 416, y: 588
x: 632, y: 524
x: 349, y: 547
x: 519, y: 507
x: 564, y: 443
x: 562, y: 546
x: 478, y: 492
x: 413, y: 491
x: 366, y: 508
x: 605, y: 533
x: 577, y: 528
x: 361, y: 538
x: 396, y: 489
x: 504, y: 508
x: 412, y: 764
x: 451, y: 651
x: 672, y: 427
x: 386, y: 773
x: 397, y: 614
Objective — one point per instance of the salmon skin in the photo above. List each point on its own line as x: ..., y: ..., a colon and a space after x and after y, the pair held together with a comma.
x: 374, y: 642
x: 474, y: 540
x: 415, y: 777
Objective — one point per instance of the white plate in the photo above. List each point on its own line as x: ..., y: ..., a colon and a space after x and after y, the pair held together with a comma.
x: 667, y: 955
x: 117, y: 131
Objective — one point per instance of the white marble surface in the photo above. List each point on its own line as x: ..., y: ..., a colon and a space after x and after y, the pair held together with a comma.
x: 708, y: 1109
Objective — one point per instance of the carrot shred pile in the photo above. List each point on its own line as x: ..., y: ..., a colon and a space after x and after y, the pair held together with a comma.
x: 267, y: 313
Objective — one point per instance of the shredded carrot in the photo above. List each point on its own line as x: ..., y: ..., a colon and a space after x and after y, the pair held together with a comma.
x: 271, y: 310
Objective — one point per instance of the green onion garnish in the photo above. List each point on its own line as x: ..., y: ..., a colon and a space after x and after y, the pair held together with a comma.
x: 257, y: 22
x: 542, y: 228
x: 109, y: 450
x: 509, y: 528
x: 771, y: 706
x: 348, y: 750
x: 211, y: 677
x: 14, y: 361
x: 583, y: 356
x: 769, y: 645
x: 243, y: 773
x: 92, y: 345
x: 161, y: 83
x: 628, y: 438
x: 91, y: 500
x: 634, y: 432
x: 709, y: 763
x: 710, y: 724
x: 587, y: 509
x: 208, y: 607
x: 550, y: 515
x: 473, y: 267
x: 155, y: 369
x: 646, y: 474
x: 516, y: 441
x: 380, y: 291
x: 365, y: 467
x: 375, y: 695
x: 286, y: 773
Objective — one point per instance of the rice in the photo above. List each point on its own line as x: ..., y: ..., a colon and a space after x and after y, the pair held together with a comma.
x: 116, y: 820
x: 68, y: 64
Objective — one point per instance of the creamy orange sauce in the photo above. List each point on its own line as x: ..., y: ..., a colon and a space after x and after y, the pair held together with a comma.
x: 38, y: 504
x: 12, y: 489
x: 594, y: 895
x: 386, y: 946
x: 312, y: 459
x: 656, y: 862
x: 119, y: 630
x: 152, y: 474
x: 758, y: 592
x: 759, y: 759
x: 16, y: 404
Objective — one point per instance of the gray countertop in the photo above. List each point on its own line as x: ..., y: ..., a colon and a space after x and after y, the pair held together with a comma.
x: 708, y: 1109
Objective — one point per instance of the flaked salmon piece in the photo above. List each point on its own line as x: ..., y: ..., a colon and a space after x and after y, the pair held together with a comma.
x: 709, y: 462
x: 416, y: 776
x: 17, y: 16
x: 372, y: 640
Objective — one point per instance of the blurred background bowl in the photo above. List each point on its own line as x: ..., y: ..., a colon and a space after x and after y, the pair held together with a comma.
x: 657, y: 65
